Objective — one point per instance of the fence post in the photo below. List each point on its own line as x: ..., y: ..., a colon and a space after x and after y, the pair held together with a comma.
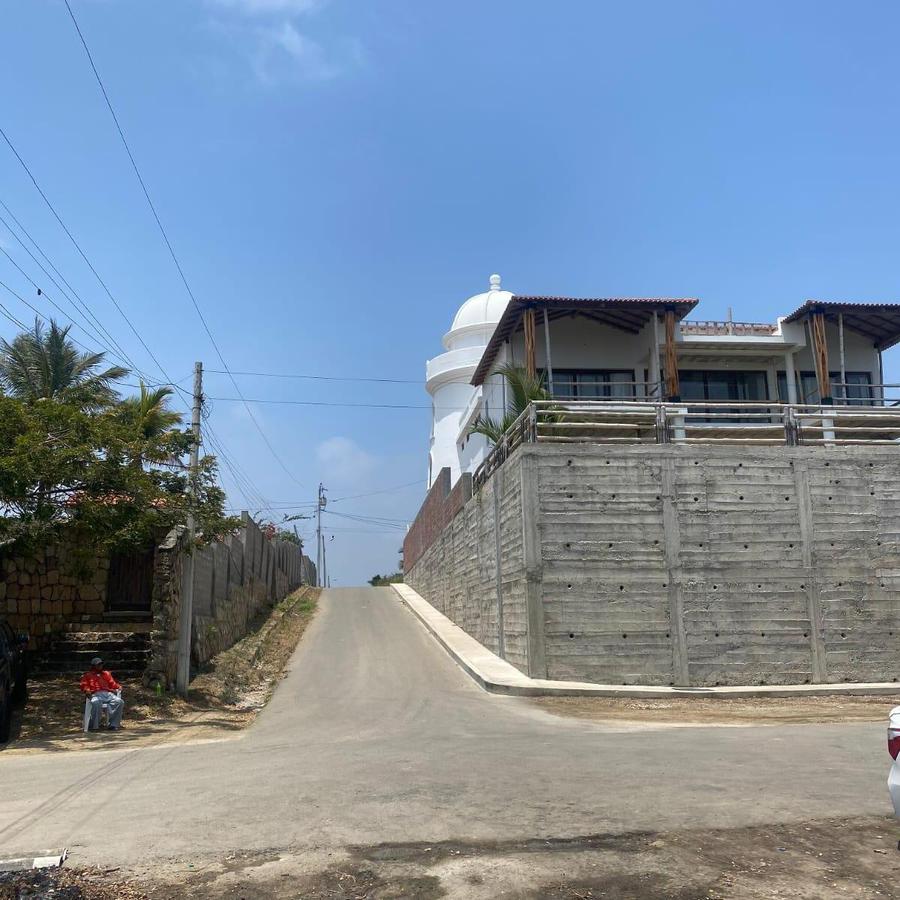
x: 790, y: 426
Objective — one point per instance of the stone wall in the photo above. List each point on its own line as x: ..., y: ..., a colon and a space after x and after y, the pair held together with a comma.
x: 168, y: 585
x: 668, y: 564
x: 40, y: 592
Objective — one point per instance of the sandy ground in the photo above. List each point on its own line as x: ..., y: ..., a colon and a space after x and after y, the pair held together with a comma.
x: 722, y: 711
x: 823, y: 860
x: 223, y: 699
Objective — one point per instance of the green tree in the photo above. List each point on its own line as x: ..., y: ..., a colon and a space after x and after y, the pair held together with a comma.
x: 68, y: 472
x: 149, y: 412
x: 44, y: 364
x: 523, y: 389
x: 383, y: 580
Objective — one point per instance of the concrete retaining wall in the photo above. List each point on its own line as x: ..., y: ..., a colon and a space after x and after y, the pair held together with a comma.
x: 667, y: 564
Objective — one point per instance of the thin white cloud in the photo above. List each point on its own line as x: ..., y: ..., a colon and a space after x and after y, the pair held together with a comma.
x: 268, y: 34
x: 283, y: 50
x: 344, y: 461
x: 270, y: 7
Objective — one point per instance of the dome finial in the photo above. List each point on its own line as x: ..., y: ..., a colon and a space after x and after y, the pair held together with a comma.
x: 495, y: 282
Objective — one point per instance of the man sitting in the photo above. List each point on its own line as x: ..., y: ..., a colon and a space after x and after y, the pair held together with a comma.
x: 101, y: 687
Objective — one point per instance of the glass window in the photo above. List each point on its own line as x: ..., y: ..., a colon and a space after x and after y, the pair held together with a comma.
x: 859, y: 388
x: 715, y: 385
x: 593, y: 384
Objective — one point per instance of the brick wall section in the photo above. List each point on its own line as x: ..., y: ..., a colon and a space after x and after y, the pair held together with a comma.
x: 459, y: 575
x: 693, y: 565
x: 441, y: 505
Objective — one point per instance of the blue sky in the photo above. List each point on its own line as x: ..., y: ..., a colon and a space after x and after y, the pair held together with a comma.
x: 337, y: 177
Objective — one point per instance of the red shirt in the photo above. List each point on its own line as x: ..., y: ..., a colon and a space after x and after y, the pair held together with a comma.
x: 92, y: 681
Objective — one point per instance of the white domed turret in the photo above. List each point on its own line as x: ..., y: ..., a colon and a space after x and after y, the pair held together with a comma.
x: 449, y: 375
x: 478, y: 312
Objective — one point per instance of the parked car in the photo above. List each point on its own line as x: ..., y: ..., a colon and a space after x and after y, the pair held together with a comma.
x: 13, y: 675
x: 894, y: 750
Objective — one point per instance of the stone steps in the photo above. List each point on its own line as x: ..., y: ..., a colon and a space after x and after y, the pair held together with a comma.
x: 122, y: 642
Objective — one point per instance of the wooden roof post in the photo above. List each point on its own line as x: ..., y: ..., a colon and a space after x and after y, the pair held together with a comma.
x: 843, y: 390
x: 654, y: 388
x: 673, y: 389
x: 530, y: 363
x: 547, y: 351
x: 820, y: 355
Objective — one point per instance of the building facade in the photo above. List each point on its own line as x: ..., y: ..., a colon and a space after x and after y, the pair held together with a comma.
x: 645, y: 349
x: 697, y: 504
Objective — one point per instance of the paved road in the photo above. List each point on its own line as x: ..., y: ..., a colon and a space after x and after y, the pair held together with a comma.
x: 377, y: 736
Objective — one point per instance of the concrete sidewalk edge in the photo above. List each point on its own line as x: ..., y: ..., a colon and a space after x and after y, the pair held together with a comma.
x: 498, y: 676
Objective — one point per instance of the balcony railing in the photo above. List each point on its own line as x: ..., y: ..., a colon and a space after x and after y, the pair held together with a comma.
x: 695, y: 422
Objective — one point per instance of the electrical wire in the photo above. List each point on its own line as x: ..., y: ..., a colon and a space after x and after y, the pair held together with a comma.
x: 319, y: 377
x: 390, y: 490
x: 88, y: 312
x: 348, y: 405
x: 81, y: 252
x: 41, y: 292
x: 168, y: 244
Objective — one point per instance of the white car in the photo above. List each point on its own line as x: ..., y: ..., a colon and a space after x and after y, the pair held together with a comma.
x: 894, y: 750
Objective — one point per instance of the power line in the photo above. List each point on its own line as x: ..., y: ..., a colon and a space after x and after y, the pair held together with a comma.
x: 81, y: 252
x: 320, y: 377
x: 37, y: 312
x: 5, y: 312
x: 372, y: 520
x: 243, y: 399
x: 390, y: 490
x: 168, y: 243
x: 354, y: 378
x: 88, y: 312
x: 41, y: 292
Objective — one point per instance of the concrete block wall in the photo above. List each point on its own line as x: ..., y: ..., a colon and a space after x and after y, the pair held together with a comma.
x: 668, y: 564
x: 234, y: 580
x: 460, y: 575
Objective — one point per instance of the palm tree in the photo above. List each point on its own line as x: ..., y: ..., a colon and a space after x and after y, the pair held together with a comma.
x: 149, y: 412
x: 524, y: 389
x: 44, y: 364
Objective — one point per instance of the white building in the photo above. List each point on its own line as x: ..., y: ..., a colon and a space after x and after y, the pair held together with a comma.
x: 448, y: 379
x: 644, y: 350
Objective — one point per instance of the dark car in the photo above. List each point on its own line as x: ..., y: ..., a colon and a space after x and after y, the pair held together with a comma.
x: 13, y: 675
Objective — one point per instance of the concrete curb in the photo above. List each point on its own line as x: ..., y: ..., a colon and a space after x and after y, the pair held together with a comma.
x: 500, y: 677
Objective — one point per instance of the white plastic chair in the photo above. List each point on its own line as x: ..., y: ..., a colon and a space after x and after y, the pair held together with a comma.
x: 104, y: 710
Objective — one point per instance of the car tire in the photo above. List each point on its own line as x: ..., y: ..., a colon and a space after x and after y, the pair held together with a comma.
x: 6, y: 720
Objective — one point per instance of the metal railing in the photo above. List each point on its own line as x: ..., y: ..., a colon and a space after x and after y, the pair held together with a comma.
x: 694, y: 422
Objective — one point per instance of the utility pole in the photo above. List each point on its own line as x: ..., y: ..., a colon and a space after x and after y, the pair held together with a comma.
x: 183, y: 670
x: 300, y: 544
x: 320, y: 546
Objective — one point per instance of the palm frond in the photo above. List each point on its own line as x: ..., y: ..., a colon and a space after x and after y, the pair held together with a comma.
x: 44, y: 363
x: 524, y: 389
